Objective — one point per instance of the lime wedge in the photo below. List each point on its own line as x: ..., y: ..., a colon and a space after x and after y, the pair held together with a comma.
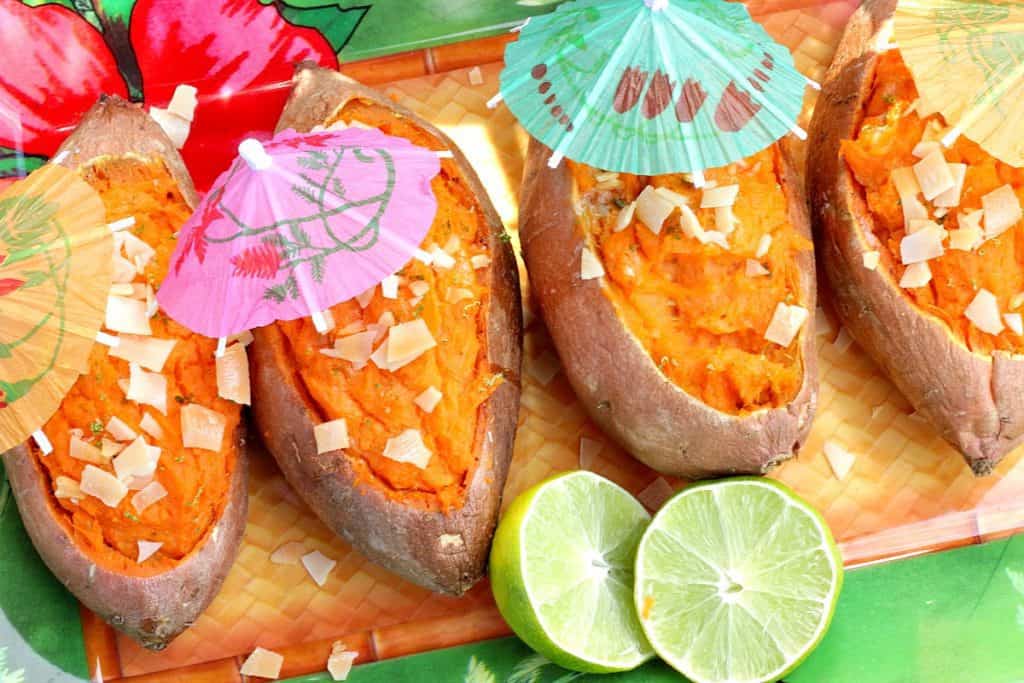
x: 736, y: 580
x: 562, y: 572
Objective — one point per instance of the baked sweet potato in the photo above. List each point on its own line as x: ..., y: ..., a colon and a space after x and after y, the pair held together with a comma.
x: 940, y: 322
x: 659, y: 309
x: 92, y: 544
x: 454, y: 406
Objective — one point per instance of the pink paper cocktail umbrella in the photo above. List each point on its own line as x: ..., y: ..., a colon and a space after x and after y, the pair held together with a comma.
x: 298, y: 224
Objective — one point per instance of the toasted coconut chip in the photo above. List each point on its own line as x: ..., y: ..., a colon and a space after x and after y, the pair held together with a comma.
x: 117, y: 428
x: 714, y: 237
x: 456, y: 294
x: 655, y: 494
x: 785, y: 324
x: 1015, y: 322
x: 763, y: 245
x: 339, y: 662
x: 755, y: 269
x: 151, y: 426
x: 590, y: 265
x: 102, y: 485
x: 652, y: 209
x: 147, y: 549
x: 183, y: 102
x: 589, y: 450
x: 149, y: 352
x: 673, y: 197
x: 110, y: 448
x: 127, y: 315
x: 389, y: 287
x: 138, y: 483
x: 352, y: 328
x: 871, y: 259
x: 442, y: 259
x: 123, y: 270
x: 428, y: 399
x: 202, y: 427
x: 933, y: 175
x: 288, y: 553
x: 408, y: 447
x: 725, y: 220
x: 908, y: 190
x: 1017, y: 301
x: 839, y: 459
x: 364, y: 299
x: 922, y: 245
x: 407, y: 342
x: 1002, y: 210
x: 972, y: 220
x: 355, y: 348
x: 66, y: 487
x: 147, y: 388
x: 916, y: 275
x: 715, y: 197
x: 318, y: 565
x: 244, y: 338
x: 123, y: 289
x: 966, y: 239
x: 151, y: 493
x: 983, y: 311
x: 262, y: 664
x: 176, y: 128
x: 331, y: 436
x: 690, y: 224
x: 84, y: 451
x: 135, y: 250
x: 421, y: 287
x: 951, y: 197
x: 139, y: 459
x: 926, y: 147
x: 625, y: 217
x: 233, y: 375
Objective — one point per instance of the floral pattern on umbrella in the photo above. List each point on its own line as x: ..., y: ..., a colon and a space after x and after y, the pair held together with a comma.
x: 331, y: 215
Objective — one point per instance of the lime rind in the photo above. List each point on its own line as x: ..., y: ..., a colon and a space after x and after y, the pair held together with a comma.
x: 736, y: 581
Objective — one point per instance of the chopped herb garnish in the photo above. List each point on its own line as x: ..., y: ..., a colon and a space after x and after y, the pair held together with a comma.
x: 195, y: 500
x: 889, y: 98
x: 505, y: 237
x: 179, y: 458
x: 130, y: 516
x: 620, y: 202
x: 96, y: 426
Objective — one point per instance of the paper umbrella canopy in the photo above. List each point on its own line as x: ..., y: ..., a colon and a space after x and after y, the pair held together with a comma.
x: 651, y: 86
x: 55, y: 275
x: 967, y: 57
x: 297, y: 225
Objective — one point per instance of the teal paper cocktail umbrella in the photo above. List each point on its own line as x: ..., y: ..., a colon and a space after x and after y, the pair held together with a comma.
x: 651, y: 86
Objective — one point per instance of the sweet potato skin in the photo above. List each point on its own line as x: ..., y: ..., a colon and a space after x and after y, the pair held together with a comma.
x: 445, y: 552
x: 975, y: 401
x: 617, y: 381
x: 152, y: 610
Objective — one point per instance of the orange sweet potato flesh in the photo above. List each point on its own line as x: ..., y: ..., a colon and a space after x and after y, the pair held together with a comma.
x: 885, y: 140
x: 698, y: 314
x: 197, y: 481
x: 378, y: 404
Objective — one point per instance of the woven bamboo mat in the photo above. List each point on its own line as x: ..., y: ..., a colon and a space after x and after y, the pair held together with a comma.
x: 907, y: 492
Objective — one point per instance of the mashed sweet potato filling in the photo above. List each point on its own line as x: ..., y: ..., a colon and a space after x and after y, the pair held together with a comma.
x: 378, y: 404
x: 698, y: 312
x: 886, y: 138
x: 196, y: 481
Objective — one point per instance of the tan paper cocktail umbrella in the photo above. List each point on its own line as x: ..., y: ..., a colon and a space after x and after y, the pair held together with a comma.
x: 967, y: 57
x: 55, y: 276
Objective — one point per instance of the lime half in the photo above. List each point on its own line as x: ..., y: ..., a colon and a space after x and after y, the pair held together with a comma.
x: 562, y: 572
x: 736, y: 580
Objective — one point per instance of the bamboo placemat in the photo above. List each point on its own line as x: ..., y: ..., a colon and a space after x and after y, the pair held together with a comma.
x: 908, y: 491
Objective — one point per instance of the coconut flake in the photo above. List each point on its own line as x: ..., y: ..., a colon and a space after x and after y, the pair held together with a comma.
x: 442, y: 259
x: 590, y: 266
x: 1017, y: 301
x: 690, y: 224
x: 718, y: 197
x: 407, y: 342
x: 408, y: 447
x: 331, y: 436
x: 933, y: 175
x: 176, y: 128
x: 110, y: 448
x: 926, y: 147
x: 763, y: 245
x: 428, y: 399
x: 68, y: 488
x: 714, y: 237
x: 127, y: 315
x: 148, y: 352
x: 419, y: 287
x: 355, y: 348
x: 184, y: 102
x: 146, y: 550
x: 135, y: 250
x: 147, y: 388
x: 262, y: 663
x: 318, y: 565
x: 288, y: 553
x: 1015, y: 322
x: 908, y: 188
x: 672, y: 196
x: 922, y: 245
x: 839, y: 459
x: 102, y: 485
x: 202, y: 427
x: 972, y: 220
x: 951, y: 197
x: 151, y: 493
x: 1002, y: 210
x: 123, y: 270
x: 456, y: 294
x: 916, y: 275
x: 478, y: 261
x: 725, y: 220
x: 84, y: 451
x: 244, y: 338
x: 233, y: 375
x: 966, y: 238
x: 137, y: 460
x: 389, y: 287
x: 983, y: 311
x: 652, y: 209
x: 339, y: 662
x: 871, y: 259
x: 755, y: 269
x: 785, y: 324
x: 117, y: 428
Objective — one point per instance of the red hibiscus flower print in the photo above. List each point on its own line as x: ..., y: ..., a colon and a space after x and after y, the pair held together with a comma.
x: 196, y: 240
x: 262, y: 261
x: 8, y: 284
x: 240, y: 54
